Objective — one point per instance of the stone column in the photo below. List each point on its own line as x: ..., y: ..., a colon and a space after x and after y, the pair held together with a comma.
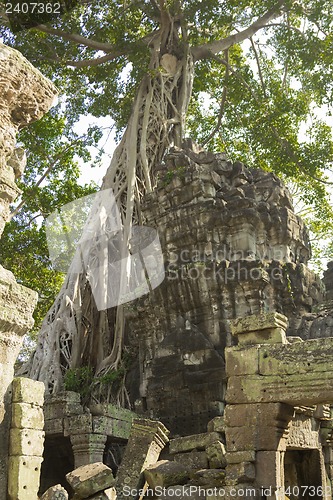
x: 26, y: 439
x: 88, y: 445
x: 146, y: 441
x: 88, y: 448
x: 25, y: 95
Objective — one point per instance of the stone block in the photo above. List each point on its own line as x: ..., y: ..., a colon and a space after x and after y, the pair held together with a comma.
x: 217, y: 424
x: 60, y: 410
x: 120, y: 428
x: 216, y: 455
x: 254, y: 438
x: 90, y: 479
x: 236, y: 457
x: 55, y: 426
x: 62, y: 404
x: 242, y: 361
x: 304, y: 389
x: 258, y: 414
x: 192, y: 459
x: 195, y: 442
x: 26, y: 442
x: 166, y: 473
x: 239, y: 415
x: 78, y: 424
x: 16, y: 307
x: 112, y: 427
x: 56, y: 492
x: 242, y: 472
x: 23, y: 477
x: 311, y: 356
x: 109, y: 410
x: 267, y: 424
x: 267, y: 336
x: 26, y: 416
x: 255, y: 323
x: 100, y: 425
x: 241, y: 438
x: 268, y: 467
x: 63, y: 397
x: 208, y: 478
x: 30, y: 391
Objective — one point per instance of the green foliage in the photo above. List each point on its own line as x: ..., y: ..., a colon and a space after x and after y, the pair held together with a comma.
x: 82, y: 380
x: 79, y: 380
x: 112, y: 376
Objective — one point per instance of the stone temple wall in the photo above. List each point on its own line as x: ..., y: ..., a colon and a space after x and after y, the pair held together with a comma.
x: 25, y: 95
x: 233, y: 247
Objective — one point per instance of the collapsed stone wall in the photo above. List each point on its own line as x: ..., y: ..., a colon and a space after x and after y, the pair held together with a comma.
x: 25, y: 95
x: 233, y: 247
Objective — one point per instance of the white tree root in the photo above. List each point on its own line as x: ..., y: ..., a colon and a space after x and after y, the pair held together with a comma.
x: 74, y: 333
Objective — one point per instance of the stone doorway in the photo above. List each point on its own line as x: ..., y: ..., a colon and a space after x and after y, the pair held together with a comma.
x: 58, y: 461
x: 303, y: 474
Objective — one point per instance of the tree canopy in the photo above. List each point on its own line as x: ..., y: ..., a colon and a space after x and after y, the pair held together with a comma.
x: 262, y: 77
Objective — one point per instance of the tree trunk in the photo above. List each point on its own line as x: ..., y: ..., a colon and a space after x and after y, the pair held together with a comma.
x: 74, y: 333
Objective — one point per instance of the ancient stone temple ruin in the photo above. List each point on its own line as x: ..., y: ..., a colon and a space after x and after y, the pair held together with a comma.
x: 230, y: 380
x: 229, y: 350
x: 25, y: 95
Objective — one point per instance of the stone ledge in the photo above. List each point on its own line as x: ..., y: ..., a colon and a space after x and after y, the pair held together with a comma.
x: 256, y: 323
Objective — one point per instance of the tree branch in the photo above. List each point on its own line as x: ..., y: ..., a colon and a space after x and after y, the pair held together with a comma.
x: 111, y: 50
x: 92, y: 62
x: 81, y: 64
x: 79, y: 39
x: 206, y: 50
x: 40, y: 180
x: 256, y: 55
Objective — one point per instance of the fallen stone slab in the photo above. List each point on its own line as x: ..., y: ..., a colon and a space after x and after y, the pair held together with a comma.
x: 56, y: 492
x: 90, y: 479
x: 208, y: 478
x: 192, y: 459
x: 166, y: 473
x: 195, y: 442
